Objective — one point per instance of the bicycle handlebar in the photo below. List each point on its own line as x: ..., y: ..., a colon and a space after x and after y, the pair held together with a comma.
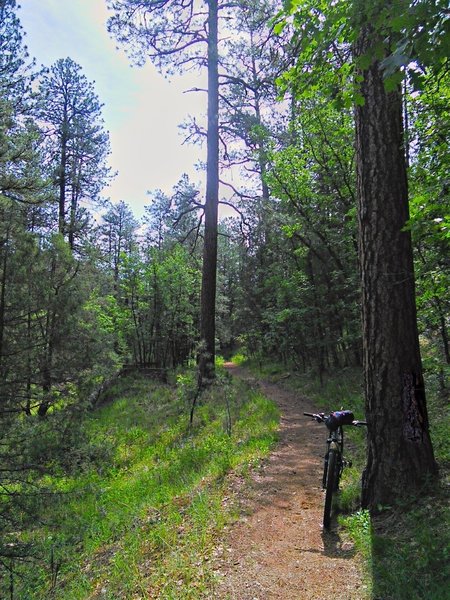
x: 321, y: 417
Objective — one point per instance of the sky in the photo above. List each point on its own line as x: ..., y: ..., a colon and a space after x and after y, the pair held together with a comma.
x: 142, y: 108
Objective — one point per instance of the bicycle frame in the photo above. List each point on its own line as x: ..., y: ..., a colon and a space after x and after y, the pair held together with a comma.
x: 334, y: 441
x: 334, y: 461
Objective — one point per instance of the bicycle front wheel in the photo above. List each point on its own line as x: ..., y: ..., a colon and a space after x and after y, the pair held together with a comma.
x: 330, y: 487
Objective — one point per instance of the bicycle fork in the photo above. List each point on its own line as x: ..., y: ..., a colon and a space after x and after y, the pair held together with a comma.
x: 341, y: 463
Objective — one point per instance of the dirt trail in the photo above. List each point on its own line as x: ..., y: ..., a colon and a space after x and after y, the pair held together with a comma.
x: 278, y: 549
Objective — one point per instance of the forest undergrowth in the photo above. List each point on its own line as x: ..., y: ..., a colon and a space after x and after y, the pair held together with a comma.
x: 138, y: 513
x: 136, y: 509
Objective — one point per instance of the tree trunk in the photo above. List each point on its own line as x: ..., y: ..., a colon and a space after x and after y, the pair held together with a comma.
x: 400, y: 455
x: 318, y: 325
x: 261, y: 145
x: 209, y: 271
x: 4, y: 255
x: 62, y: 177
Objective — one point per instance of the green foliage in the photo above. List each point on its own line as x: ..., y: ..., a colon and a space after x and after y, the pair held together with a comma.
x: 238, y: 359
x: 322, y: 33
x: 72, y: 314
x: 144, y: 505
x: 420, y: 34
x: 410, y: 552
x: 406, y: 37
x: 429, y: 221
x: 349, y: 499
x: 301, y: 281
x: 20, y: 140
x: 341, y: 389
x: 405, y: 551
x: 76, y: 143
x: 159, y: 294
x: 359, y: 527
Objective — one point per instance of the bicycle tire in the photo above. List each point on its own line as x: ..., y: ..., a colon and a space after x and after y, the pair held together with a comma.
x: 330, y: 487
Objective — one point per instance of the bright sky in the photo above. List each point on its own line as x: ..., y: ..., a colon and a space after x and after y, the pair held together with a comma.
x: 142, y: 109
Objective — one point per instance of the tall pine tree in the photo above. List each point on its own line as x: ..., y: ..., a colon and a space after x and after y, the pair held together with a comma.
x: 77, y: 143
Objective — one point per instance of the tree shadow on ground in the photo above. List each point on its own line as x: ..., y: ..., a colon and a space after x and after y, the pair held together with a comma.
x: 337, y: 547
x: 409, y: 550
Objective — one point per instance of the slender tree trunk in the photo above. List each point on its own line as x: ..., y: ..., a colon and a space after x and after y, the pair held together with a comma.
x: 262, y: 154
x: 3, y: 284
x: 320, y: 356
x: 29, y: 362
x: 209, y: 272
x: 444, y: 334
x: 74, y: 202
x: 73, y: 215
x: 47, y: 364
x: 62, y: 176
x: 400, y: 455
x: 156, y: 328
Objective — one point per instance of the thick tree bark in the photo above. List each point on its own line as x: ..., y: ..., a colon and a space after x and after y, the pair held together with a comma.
x: 209, y: 271
x: 400, y: 454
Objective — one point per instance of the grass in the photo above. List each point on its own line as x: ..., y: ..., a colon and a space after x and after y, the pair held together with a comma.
x: 141, y: 516
x: 238, y: 359
x: 406, y: 549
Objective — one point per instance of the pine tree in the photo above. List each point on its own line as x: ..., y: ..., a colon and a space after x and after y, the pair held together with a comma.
x: 400, y: 454
x: 377, y: 42
x: 178, y: 35
x: 77, y: 144
x: 19, y: 137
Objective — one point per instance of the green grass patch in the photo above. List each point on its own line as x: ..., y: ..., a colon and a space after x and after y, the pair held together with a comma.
x: 141, y: 518
x: 342, y: 389
x: 406, y: 550
x: 238, y: 359
x: 219, y: 361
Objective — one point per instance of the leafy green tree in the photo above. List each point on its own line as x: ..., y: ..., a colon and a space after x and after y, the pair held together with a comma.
x: 160, y: 296
x: 314, y: 178
x: 230, y: 300
x: 249, y: 111
x: 54, y: 351
x: 430, y: 161
x: 158, y: 218
x: 20, y: 185
x: 175, y: 219
x: 299, y: 259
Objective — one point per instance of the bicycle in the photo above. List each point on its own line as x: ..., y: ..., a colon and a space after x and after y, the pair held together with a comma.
x: 334, y: 461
